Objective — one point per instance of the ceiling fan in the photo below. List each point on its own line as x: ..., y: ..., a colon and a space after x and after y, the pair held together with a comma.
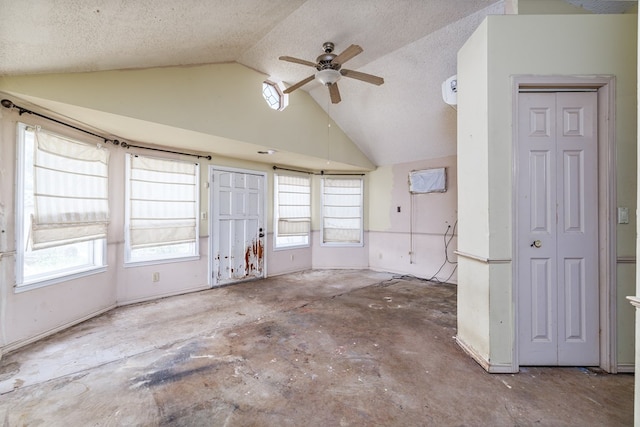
x: 329, y: 66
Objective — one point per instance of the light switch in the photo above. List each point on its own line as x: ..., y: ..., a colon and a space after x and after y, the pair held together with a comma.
x: 623, y: 215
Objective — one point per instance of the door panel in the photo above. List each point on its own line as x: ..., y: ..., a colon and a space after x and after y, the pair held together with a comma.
x: 238, y: 226
x: 557, y: 229
x: 541, y: 301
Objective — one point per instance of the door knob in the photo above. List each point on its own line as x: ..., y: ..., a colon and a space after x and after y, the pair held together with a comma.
x: 536, y: 244
x: 261, y: 235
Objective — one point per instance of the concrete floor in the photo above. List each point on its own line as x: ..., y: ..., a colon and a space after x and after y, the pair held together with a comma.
x: 319, y: 348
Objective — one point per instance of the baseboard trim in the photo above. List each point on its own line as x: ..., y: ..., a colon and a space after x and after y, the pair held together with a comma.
x: 474, y: 354
x: 626, y: 368
x: 165, y: 295
x: 18, y: 344
x: 491, y: 368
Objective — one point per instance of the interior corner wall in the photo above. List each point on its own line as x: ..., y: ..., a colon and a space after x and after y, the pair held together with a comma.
x: 570, y: 45
x: 409, y: 233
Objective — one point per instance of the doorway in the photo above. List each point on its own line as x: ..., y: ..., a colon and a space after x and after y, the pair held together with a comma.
x: 557, y: 234
x: 237, y: 225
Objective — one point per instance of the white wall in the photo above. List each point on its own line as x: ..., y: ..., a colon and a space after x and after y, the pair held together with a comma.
x: 505, y: 46
x: 412, y: 241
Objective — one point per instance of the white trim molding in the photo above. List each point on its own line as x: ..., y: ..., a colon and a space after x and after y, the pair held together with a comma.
x: 605, y: 85
x: 492, y: 368
x: 483, y: 259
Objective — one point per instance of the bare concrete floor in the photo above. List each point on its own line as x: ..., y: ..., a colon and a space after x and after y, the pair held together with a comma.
x: 320, y: 348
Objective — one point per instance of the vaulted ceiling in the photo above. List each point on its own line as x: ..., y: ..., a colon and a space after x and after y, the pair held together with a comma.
x: 412, y: 44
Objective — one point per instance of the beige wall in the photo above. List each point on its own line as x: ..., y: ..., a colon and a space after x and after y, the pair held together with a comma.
x: 473, y: 194
x: 211, y: 108
x: 517, y: 45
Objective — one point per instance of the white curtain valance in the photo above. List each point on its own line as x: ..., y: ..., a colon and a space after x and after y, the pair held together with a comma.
x: 70, y: 191
x: 294, y: 205
x: 163, y: 202
x: 342, y: 210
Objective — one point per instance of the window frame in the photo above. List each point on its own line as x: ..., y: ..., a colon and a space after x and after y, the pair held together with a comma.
x: 322, y: 215
x: 276, y: 217
x: 97, y: 248
x: 278, y: 88
x: 150, y: 260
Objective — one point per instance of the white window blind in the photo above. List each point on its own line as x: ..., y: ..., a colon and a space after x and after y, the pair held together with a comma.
x: 294, y: 205
x: 162, y: 202
x: 342, y: 211
x: 70, y: 191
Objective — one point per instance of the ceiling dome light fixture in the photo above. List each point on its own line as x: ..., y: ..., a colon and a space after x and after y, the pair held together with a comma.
x: 328, y: 76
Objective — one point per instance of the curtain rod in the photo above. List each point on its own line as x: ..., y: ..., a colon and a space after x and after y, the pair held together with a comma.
x: 21, y: 110
x: 317, y: 173
x: 127, y: 145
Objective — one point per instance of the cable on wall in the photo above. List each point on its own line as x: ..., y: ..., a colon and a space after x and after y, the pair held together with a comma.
x: 447, y: 241
x: 6, y: 103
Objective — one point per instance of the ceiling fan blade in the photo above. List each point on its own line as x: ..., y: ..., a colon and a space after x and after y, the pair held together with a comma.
x: 347, y: 54
x: 369, y: 78
x: 297, y: 61
x: 334, y: 93
x: 299, y: 84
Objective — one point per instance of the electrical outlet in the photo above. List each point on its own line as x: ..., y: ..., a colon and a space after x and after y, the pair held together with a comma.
x: 623, y: 215
x: 155, y: 277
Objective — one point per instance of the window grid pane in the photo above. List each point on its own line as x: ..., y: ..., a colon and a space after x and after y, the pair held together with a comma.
x: 70, y: 191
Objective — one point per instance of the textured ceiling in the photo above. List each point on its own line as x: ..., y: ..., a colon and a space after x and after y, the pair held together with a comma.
x: 412, y: 44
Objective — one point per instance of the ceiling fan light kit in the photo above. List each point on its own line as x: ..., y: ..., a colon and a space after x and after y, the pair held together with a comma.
x: 329, y: 66
x: 328, y: 76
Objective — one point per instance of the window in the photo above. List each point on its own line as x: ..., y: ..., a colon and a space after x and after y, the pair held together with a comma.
x: 292, y: 214
x: 62, y: 210
x: 162, y: 209
x: 342, y: 202
x: 274, y: 95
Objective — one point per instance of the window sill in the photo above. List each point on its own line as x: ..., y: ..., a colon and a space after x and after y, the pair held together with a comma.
x: 287, y: 248
x: 41, y: 283
x: 342, y: 245
x: 131, y: 264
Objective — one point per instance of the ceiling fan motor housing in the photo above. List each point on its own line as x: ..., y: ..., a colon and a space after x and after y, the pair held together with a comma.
x: 324, y: 62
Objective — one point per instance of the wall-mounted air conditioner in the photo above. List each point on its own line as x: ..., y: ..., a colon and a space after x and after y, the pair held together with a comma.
x: 450, y: 90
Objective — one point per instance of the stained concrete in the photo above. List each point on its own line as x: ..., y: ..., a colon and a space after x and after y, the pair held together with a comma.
x: 319, y: 348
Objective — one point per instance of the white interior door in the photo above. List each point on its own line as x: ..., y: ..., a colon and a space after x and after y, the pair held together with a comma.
x: 238, y: 232
x: 558, y: 319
